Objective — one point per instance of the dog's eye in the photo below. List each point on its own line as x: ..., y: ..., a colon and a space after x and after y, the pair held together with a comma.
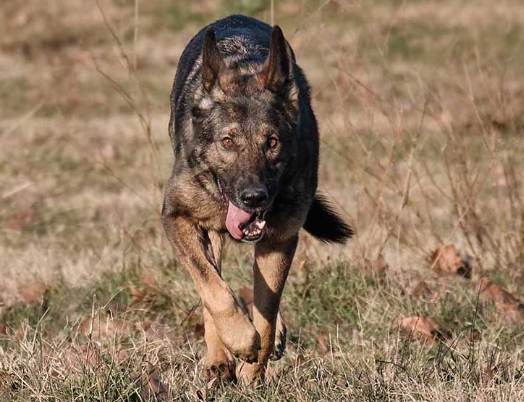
x: 272, y: 142
x: 226, y: 142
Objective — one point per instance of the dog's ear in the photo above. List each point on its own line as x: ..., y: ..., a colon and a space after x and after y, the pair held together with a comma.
x: 212, y: 62
x: 278, y: 68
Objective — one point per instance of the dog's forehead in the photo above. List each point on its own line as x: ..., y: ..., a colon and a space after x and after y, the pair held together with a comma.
x: 246, y: 128
x: 247, y: 110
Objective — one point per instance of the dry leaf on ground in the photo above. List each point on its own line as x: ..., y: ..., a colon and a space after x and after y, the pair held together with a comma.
x: 152, y: 386
x: 423, y: 329
x: 507, y: 305
x: 448, y: 260
x: 202, y: 393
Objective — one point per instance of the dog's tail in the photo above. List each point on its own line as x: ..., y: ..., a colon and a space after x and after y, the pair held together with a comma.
x: 323, y: 222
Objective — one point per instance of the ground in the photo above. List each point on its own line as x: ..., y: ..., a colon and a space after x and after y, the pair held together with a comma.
x: 420, y: 105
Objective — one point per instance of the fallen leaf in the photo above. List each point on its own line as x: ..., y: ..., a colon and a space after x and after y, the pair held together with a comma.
x: 448, y: 260
x: 423, y: 329
x: 202, y: 393
x: 506, y: 304
x: 494, y: 292
x: 152, y: 386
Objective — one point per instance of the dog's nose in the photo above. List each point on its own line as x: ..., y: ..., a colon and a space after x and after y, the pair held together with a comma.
x: 254, y: 198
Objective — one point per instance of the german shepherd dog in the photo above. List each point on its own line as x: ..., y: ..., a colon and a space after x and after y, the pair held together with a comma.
x: 246, y: 150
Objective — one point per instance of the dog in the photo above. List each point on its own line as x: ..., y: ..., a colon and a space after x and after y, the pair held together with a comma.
x: 246, y: 147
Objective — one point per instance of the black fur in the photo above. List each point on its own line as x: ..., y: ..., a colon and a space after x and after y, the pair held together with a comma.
x: 242, y: 124
x: 323, y: 223
x: 219, y: 49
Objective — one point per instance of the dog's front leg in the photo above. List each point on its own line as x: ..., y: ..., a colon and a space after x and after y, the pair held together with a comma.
x: 272, y: 263
x: 193, y: 248
x: 219, y: 362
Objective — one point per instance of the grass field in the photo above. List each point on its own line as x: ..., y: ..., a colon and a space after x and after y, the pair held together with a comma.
x: 421, y: 109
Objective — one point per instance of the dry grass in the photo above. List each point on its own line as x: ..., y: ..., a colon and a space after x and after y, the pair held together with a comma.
x: 421, y: 112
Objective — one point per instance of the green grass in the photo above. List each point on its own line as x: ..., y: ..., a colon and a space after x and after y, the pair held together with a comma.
x: 363, y: 354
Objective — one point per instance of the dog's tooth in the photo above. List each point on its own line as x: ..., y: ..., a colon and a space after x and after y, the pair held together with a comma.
x: 260, y: 224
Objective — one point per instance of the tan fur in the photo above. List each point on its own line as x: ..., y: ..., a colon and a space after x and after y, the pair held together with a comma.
x: 251, y: 104
x: 219, y: 362
x: 232, y: 325
x: 272, y: 263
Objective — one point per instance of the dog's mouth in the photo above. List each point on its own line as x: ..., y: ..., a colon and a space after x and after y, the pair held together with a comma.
x: 243, y: 225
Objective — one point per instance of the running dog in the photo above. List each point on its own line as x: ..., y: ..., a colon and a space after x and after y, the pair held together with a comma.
x: 246, y: 147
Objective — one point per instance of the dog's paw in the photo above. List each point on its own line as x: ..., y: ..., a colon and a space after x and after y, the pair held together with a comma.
x: 246, y: 345
x: 220, y: 369
x: 280, y: 339
x: 240, y: 337
x: 251, y: 375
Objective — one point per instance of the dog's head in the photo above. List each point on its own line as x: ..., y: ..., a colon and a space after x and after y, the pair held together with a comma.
x: 244, y: 118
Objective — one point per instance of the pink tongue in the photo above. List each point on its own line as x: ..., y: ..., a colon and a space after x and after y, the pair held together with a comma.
x: 235, y: 218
